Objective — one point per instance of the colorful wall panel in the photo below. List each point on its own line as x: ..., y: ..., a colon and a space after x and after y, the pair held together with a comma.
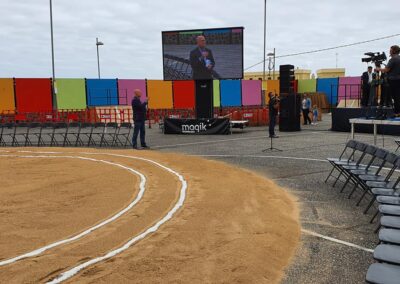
x: 329, y: 86
x: 184, y: 94
x: 349, y: 87
x: 230, y: 93
x: 160, y: 94
x: 7, y: 101
x: 126, y: 88
x: 101, y: 92
x: 216, y: 93
x: 33, y: 95
x: 71, y: 93
x: 251, y: 92
x: 307, y: 86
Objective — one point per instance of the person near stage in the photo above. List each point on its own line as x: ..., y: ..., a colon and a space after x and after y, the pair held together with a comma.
x: 315, y: 115
x: 305, y: 108
x: 202, y: 60
x: 366, y: 80
x: 273, y: 107
x: 139, y: 117
x: 392, y: 71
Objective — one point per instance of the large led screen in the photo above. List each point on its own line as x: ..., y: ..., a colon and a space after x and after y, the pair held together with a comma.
x: 203, y: 54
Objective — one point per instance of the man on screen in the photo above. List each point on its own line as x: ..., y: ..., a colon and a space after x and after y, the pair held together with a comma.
x: 201, y: 60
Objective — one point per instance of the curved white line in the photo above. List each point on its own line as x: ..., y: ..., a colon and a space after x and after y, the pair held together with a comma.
x: 88, y: 231
x: 68, y: 274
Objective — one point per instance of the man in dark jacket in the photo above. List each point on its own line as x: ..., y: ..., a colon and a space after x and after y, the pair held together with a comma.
x: 139, y: 117
x: 273, y: 112
x: 366, y: 79
x: 202, y: 60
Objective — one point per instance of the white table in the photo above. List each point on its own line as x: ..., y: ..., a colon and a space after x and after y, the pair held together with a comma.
x: 374, y: 122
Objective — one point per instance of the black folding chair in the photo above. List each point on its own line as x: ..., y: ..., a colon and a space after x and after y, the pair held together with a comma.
x: 398, y: 144
x: 110, y: 132
x: 20, y: 134
x: 97, y: 134
x: 122, y: 137
x: 383, y: 273
x: 33, y: 130
x: 72, y: 134
x: 59, y: 134
x: 85, y: 134
x: 47, y: 130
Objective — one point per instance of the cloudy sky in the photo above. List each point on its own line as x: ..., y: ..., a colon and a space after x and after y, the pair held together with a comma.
x: 131, y: 32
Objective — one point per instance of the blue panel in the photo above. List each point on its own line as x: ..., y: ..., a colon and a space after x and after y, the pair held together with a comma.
x: 329, y: 86
x: 101, y: 92
x: 231, y: 93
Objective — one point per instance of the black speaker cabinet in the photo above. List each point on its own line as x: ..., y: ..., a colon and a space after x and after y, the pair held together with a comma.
x: 289, y: 115
x: 204, y: 99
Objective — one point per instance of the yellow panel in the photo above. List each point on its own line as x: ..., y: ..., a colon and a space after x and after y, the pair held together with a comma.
x: 160, y: 94
x: 272, y: 86
x: 7, y: 102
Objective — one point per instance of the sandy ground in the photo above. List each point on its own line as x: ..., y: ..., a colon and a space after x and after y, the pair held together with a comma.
x: 234, y: 227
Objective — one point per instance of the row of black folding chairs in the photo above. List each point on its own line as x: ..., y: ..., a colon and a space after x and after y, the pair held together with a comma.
x: 375, y: 172
x: 66, y: 134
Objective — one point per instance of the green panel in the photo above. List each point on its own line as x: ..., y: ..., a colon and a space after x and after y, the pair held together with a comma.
x: 216, y: 93
x: 307, y: 86
x: 71, y: 93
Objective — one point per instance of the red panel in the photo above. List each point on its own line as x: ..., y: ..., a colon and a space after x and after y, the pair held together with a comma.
x: 183, y: 94
x: 33, y: 95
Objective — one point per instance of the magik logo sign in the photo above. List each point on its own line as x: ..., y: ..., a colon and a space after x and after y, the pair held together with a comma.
x: 194, y: 128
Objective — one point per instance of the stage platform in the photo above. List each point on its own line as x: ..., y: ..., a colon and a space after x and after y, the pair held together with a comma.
x: 341, y: 117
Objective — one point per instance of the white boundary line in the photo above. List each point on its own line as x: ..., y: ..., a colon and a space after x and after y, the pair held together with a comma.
x: 90, y: 230
x: 69, y: 273
x: 336, y: 240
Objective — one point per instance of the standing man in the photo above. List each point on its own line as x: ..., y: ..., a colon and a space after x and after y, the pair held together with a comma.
x: 139, y: 118
x: 305, y: 107
x: 273, y: 107
x: 201, y: 60
x: 366, y: 80
x: 392, y: 71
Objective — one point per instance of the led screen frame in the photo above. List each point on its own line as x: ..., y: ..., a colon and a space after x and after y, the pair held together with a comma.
x: 179, y: 68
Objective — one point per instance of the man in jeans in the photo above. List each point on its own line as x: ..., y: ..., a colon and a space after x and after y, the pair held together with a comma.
x: 139, y: 117
x: 273, y: 112
x: 305, y: 107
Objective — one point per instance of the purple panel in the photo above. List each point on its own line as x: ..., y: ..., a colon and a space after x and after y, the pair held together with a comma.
x: 349, y: 87
x: 251, y: 92
x: 126, y: 88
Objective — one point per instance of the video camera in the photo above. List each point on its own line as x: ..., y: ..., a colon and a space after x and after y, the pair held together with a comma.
x: 375, y: 57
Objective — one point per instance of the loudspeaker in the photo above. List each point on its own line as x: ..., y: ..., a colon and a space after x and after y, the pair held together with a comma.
x: 204, y: 99
x: 286, y: 79
x: 289, y: 115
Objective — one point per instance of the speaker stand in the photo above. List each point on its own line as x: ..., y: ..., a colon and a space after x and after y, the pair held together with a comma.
x: 271, y: 148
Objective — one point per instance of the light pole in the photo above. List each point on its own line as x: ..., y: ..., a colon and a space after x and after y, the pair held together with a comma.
x: 265, y: 30
x: 98, y: 60
x: 52, y: 57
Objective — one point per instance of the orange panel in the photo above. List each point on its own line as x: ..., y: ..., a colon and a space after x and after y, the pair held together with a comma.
x: 159, y: 94
x: 7, y: 102
x: 272, y: 86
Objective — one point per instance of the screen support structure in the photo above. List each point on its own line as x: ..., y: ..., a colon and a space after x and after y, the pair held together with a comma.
x: 204, y: 99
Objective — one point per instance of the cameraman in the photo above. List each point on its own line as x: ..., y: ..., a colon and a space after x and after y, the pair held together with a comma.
x: 393, y: 75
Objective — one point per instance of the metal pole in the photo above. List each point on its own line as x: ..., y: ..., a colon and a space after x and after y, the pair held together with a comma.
x: 98, y: 59
x: 52, y: 56
x: 265, y: 28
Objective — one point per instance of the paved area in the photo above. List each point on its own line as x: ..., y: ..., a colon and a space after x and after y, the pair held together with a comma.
x: 301, y: 168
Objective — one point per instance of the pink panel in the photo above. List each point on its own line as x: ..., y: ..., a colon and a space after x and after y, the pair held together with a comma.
x: 126, y: 88
x: 251, y: 92
x: 349, y: 87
